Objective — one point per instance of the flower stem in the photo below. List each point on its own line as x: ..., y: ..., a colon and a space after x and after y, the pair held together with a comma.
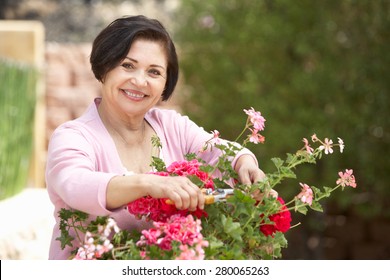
x: 242, y: 132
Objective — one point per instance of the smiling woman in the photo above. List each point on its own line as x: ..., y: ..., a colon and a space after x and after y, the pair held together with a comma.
x: 113, y: 44
x: 102, y: 161
x: 137, y: 82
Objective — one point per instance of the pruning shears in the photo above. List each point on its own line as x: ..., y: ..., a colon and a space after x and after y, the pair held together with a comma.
x: 212, y: 196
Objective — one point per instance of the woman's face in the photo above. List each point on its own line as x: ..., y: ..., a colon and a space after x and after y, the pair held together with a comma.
x: 137, y: 83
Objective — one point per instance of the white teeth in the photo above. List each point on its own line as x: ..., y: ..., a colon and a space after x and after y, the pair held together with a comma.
x: 133, y: 94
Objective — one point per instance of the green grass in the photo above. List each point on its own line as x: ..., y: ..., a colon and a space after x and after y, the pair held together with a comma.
x: 17, y: 104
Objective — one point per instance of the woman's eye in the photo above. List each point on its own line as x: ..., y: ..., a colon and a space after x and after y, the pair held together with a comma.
x: 155, y: 72
x: 127, y: 65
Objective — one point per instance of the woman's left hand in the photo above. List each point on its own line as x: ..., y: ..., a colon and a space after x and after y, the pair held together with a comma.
x: 249, y: 173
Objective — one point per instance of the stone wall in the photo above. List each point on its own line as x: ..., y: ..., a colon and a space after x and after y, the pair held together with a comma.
x: 70, y: 84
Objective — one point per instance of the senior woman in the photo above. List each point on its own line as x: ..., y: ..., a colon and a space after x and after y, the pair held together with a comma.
x: 135, y: 61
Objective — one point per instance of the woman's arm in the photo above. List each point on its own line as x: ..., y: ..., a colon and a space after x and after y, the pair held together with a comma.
x: 124, y: 189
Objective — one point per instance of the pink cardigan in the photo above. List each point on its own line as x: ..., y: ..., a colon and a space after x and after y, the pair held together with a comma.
x: 82, y: 158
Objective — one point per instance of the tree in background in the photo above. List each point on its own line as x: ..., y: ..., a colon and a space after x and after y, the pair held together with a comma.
x: 309, y: 67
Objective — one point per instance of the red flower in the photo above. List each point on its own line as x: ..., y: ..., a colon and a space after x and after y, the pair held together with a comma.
x: 165, y: 211
x: 281, y: 221
x: 142, y: 206
x: 199, y: 213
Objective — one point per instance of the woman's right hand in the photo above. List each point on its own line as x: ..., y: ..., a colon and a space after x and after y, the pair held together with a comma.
x: 180, y: 190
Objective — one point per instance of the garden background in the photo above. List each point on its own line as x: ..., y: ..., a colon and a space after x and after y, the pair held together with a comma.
x: 309, y: 66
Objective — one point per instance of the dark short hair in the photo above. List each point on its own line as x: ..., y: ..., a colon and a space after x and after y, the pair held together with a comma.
x: 113, y: 43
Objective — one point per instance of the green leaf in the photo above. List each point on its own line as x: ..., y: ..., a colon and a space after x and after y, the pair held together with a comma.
x: 316, y: 206
x: 231, y: 228
x: 206, y: 168
x: 156, y: 142
x: 158, y: 164
x: 302, y: 210
x: 277, y: 162
x: 290, y: 158
x: 190, y: 156
x: 287, y: 172
x: 195, y: 179
x: 317, y: 192
x: 215, y: 244
x: 327, y: 191
x: 300, y: 206
x: 65, y: 239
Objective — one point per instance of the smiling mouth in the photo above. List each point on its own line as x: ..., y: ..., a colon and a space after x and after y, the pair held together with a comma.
x: 133, y: 95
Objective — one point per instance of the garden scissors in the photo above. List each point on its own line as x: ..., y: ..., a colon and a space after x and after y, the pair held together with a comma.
x: 217, y: 195
x: 212, y: 196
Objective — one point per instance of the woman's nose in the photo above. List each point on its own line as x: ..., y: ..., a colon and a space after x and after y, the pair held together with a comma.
x: 139, y: 78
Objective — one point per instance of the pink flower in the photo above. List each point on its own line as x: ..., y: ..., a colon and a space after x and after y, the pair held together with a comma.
x: 209, y: 144
x: 346, y: 179
x: 309, y: 149
x: 255, y: 137
x: 216, y: 140
x: 189, y: 253
x: 256, y: 119
x: 306, y: 194
x: 103, y: 248
x: 183, y: 168
x: 341, y: 144
x: 149, y: 236
x: 186, y: 253
x: 177, y: 229
x: 314, y: 138
x: 85, y: 253
x: 327, y: 146
x: 94, y: 248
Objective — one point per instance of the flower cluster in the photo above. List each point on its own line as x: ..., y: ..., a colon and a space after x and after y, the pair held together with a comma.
x: 179, y: 230
x: 257, y: 121
x: 347, y: 179
x: 250, y: 223
x: 96, y: 244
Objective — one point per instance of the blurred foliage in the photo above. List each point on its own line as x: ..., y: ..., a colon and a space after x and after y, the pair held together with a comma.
x: 17, y: 103
x: 309, y: 67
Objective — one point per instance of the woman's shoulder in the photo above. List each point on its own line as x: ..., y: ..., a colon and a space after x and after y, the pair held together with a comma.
x: 172, y: 121
x: 169, y: 118
x: 165, y: 113
x: 88, y: 122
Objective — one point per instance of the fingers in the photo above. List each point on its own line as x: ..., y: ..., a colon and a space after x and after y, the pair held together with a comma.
x: 244, y: 178
x: 259, y: 196
x: 251, y: 176
x: 184, y: 194
x: 260, y: 176
x: 248, y: 170
x: 273, y: 193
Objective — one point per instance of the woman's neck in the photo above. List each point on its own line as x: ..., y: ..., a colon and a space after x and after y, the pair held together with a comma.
x: 129, y: 130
